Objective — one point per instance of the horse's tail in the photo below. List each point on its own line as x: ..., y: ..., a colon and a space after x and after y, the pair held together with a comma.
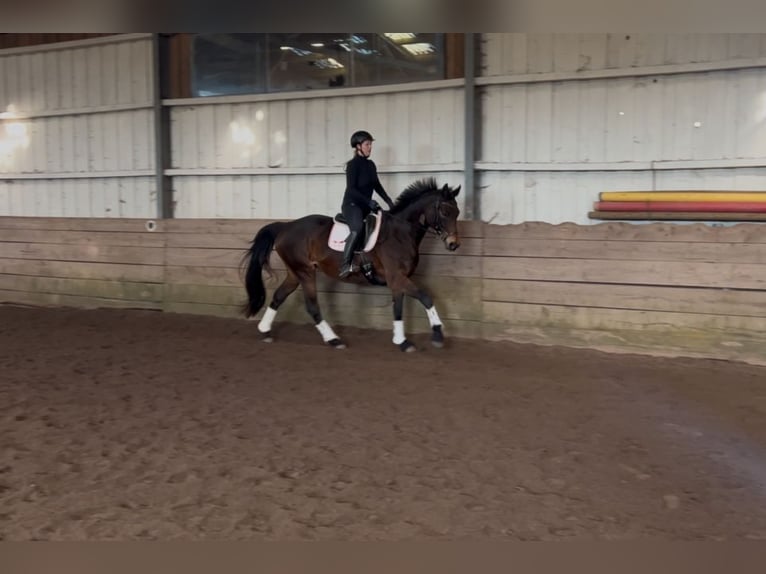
x: 257, y: 259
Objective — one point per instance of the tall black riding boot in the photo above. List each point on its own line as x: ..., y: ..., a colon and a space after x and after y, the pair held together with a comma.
x: 348, y: 254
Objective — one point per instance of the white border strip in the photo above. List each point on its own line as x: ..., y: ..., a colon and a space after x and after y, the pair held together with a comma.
x: 77, y: 175
x: 75, y: 44
x: 324, y: 93
x: 622, y: 72
x: 83, y: 111
x: 623, y: 166
x: 323, y: 170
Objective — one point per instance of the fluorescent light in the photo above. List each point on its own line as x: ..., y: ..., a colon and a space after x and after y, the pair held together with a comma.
x: 399, y: 36
x: 330, y: 63
x: 420, y: 48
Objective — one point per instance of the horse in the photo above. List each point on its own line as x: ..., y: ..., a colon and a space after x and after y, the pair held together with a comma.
x: 306, y: 246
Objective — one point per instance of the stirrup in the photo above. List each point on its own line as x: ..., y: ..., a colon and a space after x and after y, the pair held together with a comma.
x: 346, y: 270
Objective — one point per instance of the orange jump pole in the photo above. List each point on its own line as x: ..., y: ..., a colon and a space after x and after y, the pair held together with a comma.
x: 675, y: 216
x: 691, y: 206
x: 725, y: 196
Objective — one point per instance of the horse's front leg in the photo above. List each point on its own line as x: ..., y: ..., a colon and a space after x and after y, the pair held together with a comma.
x: 412, y: 290
x: 399, y: 338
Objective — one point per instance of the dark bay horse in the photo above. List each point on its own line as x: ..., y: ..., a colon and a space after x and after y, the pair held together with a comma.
x: 303, y: 245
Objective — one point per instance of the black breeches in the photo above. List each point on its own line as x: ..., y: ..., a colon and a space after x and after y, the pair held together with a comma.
x: 354, y: 216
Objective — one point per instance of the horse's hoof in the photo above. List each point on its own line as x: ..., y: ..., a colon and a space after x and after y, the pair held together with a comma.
x: 437, y: 338
x: 267, y: 338
x: 407, y: 347
x: 336, y: 344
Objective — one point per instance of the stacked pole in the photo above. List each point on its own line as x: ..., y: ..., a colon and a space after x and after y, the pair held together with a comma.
x: 681, y: 205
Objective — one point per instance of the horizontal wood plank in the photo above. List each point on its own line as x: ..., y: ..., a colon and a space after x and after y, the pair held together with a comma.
x: 62, y: 300
x: 101, y: 238
x: 626, y: 250
x: 656, y: 322
x: 82, y: 224
x: 84, y: 287
x: 90, y: 252
x: 217, y: 226
x: 454, y: 299
x: 336, y: 316
x: 612, y: 330
x: 637, y: 297
x: 83, y: 270
x: 681, y: 274
x: 221, y: 240
x: 620, y: 231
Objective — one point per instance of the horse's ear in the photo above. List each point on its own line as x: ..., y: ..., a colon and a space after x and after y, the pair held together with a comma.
x: 456, y: 191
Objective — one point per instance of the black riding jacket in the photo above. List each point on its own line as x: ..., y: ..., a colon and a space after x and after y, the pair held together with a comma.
x: 361, y: 181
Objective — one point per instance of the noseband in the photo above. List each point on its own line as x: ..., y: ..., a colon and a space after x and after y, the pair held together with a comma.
x: 435, y: 227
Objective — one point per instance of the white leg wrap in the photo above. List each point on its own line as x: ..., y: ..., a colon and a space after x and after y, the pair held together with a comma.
x: 399, y: 332
x: 268, y: 317
x: 433, y: 317
x: 326, y: 331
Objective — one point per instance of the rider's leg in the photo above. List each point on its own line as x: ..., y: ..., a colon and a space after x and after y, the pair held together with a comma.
x: 355, y: 220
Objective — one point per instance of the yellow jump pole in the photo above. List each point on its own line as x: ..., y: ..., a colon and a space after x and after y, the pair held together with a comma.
x: 756, y: 196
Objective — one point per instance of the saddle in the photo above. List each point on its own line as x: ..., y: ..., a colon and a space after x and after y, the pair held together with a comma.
x: 340, y: 231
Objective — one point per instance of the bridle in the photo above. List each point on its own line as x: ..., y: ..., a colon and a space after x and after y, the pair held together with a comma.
x: 435, y: 227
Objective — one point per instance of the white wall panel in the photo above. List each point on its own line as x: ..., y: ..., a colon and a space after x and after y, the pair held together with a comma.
x: 693, y: 116
x: 78, y: 144
x: 568, y: 196
x: 48, y: 78
x: 410, y: 128
x: 546, y: 147
x: 518, y: 53
x: 91, y: 197
x: 280, y: 196
x: 82, y: 108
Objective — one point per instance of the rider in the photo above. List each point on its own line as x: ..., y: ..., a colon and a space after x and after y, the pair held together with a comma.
x: 361, y: 181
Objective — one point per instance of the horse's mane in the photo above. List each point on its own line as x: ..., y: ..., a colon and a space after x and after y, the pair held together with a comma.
x: 413, y: 192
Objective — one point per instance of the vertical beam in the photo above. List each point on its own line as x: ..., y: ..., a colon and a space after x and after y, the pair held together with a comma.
x: 471, y: 198
x: 177, y: 71
x: 454, y: 54
x: 162, y: 182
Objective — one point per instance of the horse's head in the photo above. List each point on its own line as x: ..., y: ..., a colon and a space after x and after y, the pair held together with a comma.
x: 432, y: 208
x: 443, y: 219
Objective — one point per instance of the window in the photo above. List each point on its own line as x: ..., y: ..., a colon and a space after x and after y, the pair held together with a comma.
x: 225, y: 64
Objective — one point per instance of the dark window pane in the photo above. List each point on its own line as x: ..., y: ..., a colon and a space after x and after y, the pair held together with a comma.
x: 308, y: 61
x: 395, y: 58
x: 258, y: 63
x: 228, y: 64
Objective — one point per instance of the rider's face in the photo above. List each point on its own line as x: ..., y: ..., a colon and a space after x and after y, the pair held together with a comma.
x: 366, y: 148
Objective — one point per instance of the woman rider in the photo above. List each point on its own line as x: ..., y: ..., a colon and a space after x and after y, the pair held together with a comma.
x: 361, y: 181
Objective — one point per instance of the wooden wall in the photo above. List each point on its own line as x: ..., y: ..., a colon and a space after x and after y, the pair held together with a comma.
x: 662, y: 289
x: 657, y: 288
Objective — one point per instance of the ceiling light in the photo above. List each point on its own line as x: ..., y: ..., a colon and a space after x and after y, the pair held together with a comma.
x: 420, y: 48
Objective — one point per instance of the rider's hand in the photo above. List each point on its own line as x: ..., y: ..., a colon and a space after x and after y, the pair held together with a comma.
x: 374, y: 206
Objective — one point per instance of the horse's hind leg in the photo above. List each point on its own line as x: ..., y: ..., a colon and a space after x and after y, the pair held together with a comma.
x: 284, y: 290
x: 309, y: 284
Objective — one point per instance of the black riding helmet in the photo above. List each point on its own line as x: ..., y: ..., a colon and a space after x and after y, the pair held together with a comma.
x: 360, y: 137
